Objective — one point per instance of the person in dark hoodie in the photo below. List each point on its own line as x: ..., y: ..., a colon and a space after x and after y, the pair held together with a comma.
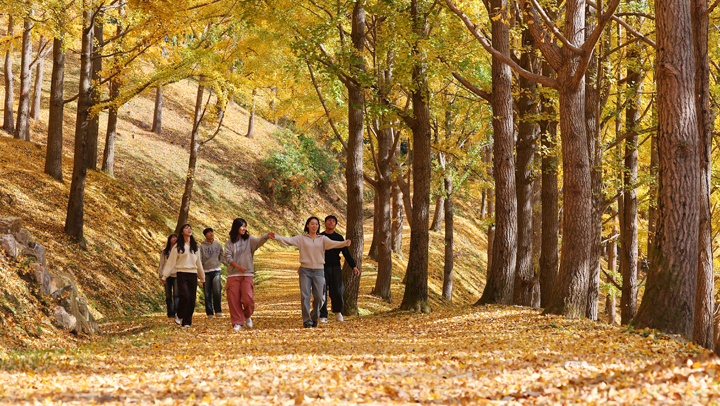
x: 333, y: 272
x: 212, y: 255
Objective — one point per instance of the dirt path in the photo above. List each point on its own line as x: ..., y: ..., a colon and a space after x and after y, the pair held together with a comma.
x: 488, y: 355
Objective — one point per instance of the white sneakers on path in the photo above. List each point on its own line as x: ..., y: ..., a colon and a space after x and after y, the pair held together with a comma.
x: 323, y: 319
x: 339, y: 317
x: 237, y: 327
x: 178, y: 321
x: 248, y: 323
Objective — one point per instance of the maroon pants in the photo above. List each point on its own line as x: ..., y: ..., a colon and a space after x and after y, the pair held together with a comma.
x: 241, y: 298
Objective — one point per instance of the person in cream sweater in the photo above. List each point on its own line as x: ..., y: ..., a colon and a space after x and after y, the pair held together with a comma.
x: 185, y: 260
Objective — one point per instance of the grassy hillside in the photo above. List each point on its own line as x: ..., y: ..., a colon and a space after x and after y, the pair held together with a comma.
x: 128, y: 217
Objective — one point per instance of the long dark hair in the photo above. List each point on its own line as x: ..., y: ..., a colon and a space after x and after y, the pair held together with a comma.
x: 181, y: 241
x: 168, y: 247
x: 235, y: 230
x: 306, y: 229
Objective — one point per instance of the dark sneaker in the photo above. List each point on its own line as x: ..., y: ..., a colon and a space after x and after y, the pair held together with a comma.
x: 308, y: 325
x: 314, y: 323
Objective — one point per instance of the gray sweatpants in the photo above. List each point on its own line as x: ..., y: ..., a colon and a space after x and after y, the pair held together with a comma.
x: 311, y: 280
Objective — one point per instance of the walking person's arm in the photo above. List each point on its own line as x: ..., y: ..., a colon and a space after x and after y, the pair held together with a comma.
x: 330, y: 244
x: 170, y: 264
x: 349, y: 259
x: 162, y: 265
x: 199, y: 266
x: 288, y: 240
x: 229, y: 257
x: 257, y: 242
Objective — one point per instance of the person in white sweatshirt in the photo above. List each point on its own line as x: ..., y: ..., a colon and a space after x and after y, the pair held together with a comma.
x: 312, y: 262
x: 185, y: 260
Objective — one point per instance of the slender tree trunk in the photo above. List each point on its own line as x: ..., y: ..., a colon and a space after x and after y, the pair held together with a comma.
x: 669, y: 300
x: 525, y: 147
x: 490, y: 191
x: 549, y: 198
x: 108, y: 163
x: 94, y: 127
x: 8, y: 109
x: 612, y: 267
x: 157, y: 112
x: 629, y: 231
x: 704, y: 309
x: 398, y: 219
x: 373, y: 252
x: 447, y: 288
x: 501, y: 275
x: 192, y: 164
x: 652, y: 209
x: 37, y: 89
x: 354, y: 169
x: 75, y: 210
x: 437, y: 220
x: 490, y: 243
x: 384, y: 215
x: 22, y: 126
x: 251, y: 120
x: 53, y: 157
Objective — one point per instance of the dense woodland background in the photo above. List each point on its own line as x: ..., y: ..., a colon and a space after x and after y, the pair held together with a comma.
x: 580, y: 138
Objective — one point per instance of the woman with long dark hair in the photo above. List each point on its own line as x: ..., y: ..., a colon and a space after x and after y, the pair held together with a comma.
x: 171, y: 292
x: 239, y: 252
x: 312, y: 263
x: 185, y: 259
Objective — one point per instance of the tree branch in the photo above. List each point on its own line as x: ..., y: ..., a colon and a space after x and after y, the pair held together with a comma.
x: 625, y: 25
x: 548, y: 23
x: 322, y: 101
x: 469, y: 86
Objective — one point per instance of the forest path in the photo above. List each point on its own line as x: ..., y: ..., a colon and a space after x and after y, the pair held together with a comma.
x: 455, y: 355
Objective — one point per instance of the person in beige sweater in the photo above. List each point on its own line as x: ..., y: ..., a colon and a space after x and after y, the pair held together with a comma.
x: 185, y: 260
x: 312, y: 261
x: 171, y: 293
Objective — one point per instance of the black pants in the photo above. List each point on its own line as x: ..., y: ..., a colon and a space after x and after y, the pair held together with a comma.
x: 334, y: 284
x: 213, y: 293
x: 187, y: 290
x: 171, y: 296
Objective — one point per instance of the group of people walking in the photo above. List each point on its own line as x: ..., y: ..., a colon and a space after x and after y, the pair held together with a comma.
x: 183, y: 263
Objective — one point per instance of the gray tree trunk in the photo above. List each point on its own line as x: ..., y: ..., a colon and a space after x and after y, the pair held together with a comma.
x: 22, y: 126
x: 94, y: 126
x: 8, y: 109
x: 157, y: 111
x: 37, y: 88
x: 447, y: 289
x: 192, y: 163
x: 437, y: 220
x: 53, y: 156
x: 398, y: 219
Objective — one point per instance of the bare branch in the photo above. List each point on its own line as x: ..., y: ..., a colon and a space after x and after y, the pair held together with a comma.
x: 555, y: 31
x: 322, y: 101
x: 625, y: 25
x: 469, y: 86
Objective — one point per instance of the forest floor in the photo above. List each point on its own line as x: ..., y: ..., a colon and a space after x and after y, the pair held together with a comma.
x: 454, y: 355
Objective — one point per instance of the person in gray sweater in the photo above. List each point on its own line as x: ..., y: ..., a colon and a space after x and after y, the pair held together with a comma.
x: 312, y: 261
x: 239, y: 252
x: 212, y: 255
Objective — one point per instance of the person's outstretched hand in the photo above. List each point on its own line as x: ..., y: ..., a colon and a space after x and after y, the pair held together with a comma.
x: 162, y: 280
x: 357, y: 271
x: 271, y: 234
x: 348, y: 242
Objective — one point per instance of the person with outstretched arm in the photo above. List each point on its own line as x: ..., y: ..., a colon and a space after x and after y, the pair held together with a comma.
x: 333, y: 272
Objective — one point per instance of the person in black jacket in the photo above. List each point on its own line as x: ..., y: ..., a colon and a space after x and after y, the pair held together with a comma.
x: 333, y: 272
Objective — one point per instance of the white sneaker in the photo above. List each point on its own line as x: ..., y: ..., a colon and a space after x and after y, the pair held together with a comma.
x: 178, y: 321
x: 323, y: 320
x: 237, y: 327
x: 248, y: 322
x: 187, y: 326
x: 339, y: 317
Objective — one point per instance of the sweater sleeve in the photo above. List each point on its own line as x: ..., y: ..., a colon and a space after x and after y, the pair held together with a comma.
x: 229, y: 252
x: 221, y: 254
x: 256, y: 243
x: 170, y: 263
x: 288, y: 240
x: 348, y: 257
x: 162, y: 264
x: 200, y: 270
x: 330, y: 244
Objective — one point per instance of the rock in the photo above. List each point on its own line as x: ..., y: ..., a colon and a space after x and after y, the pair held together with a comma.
x: 8, y: 242
x: 42, y: 277
x: 59, y: 280
x: 64, y: 319
x: 67, y: 297
x: 39, y: 252
x: 23, y: 236
x: 10, y: 225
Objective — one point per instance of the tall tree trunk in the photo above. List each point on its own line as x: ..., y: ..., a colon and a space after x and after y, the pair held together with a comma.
x: 373, y: 252
x: 108, y: 163
x: 251, y: 120
x: 22, y: 126
x: 549, y: 198
x: 447, y: 288
x: 491, y: 174
x: 157, y: 112
x: 501, y: 275
x: 192, y: 163
x: 53, y: 156
x: 490, y: 243
x: 629, y: 230
x: 94, y: 126
x: 383, y: 214
x: 75, y: 210
x: 37, y: 89
x: 525, y: 147
x: 8, y: 109
x: 354, y: 169
x: 398, y: 219
x: 612, y: 268
x: 437, y: 220
x: 669, y: 300
x: 704, y: 309
x: 653, y: 209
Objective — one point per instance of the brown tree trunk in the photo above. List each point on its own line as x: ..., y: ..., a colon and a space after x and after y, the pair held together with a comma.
x: 108, y: 164
x: 383, y: 213
x: 251, y: 121
x: 8, y: 109
x: 75, y: 210
x: 373, y: 252
x: 525, y: 147
x: 704, y: 306
x: 53, y: 156
x: 94, y: 126
x: 447, y: 288
x: 437, y: 220
x: 490, y: 243
x: 398, y: 219
x: 37, y: 88
x: 22, y: 126
x: 669, y: 300
x: 192, y: 164
x: 354, y: 169
x: 501, y: 274
x: 629, y: 230
x: 157, y: 112
x: 652, y: 209
x: 612, y: 268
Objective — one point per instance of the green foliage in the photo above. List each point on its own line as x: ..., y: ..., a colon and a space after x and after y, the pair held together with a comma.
x: 300, y: 166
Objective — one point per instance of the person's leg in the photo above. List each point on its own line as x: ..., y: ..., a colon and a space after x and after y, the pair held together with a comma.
x: 324, y: 308
x: 190, y: 309
x: 247, y: 297
x: 305, y: 288
x: 183, y: 294
x: 169, y: 300
x: 207, y: 289
x: 318, y: 282
x: 337, y: 288
x: 233, y: 296
x: 176, y: 295
x: 217, y: 293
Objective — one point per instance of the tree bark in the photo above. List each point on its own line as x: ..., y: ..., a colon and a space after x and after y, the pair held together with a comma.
x: 251, y: 121
x: 37, y: 89
x: 501, y: 274
x: 75, y: 210
x: 398, y: 219
x: 8, y: 109
x: 490, y: 243
x: 94, y: 126
x: 704, y: 306
x: 383, y: 214
x: 157, y: 112
x: 447, y: 289
x: 652, y: 209
x: 22, y: 126
x: 612, y: 268
x: 53, y: 156
x: 669, y: 300
x: 373, y: 252
x: 192, y: 164
x: 437, y: 220
x: 354, y: 169
x: 108, y: 163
